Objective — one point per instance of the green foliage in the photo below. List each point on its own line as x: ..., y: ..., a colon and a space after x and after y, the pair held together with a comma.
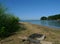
x: 8, y: 23
x: 54, y: 17
x: 2, y: 9
x: 43, y: 18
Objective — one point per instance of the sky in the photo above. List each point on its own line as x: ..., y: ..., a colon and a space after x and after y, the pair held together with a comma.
x: 32, y: 9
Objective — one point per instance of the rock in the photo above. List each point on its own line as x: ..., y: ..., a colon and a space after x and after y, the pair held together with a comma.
x: 37, y: 36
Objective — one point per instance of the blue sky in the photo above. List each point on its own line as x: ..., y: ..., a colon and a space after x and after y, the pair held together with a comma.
x: 32, y: 9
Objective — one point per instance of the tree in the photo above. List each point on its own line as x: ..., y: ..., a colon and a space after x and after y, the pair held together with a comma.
x: 43, y: 18
x: 8, y: 23
x: 54, y: 17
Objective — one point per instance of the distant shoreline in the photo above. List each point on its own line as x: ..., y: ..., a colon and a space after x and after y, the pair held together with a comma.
x: 48, y: 23
x: 39, y: 25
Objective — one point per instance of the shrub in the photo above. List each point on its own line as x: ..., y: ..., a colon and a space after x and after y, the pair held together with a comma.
x: 8, y: 23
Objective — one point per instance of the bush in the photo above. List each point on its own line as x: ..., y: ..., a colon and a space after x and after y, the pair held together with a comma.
x: 43, y: 18
x: 8, y: 23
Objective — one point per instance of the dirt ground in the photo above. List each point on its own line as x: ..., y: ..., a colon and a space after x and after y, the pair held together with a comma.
x: 52, y: 34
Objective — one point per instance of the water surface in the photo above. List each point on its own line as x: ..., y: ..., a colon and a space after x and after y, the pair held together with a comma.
x: 49, y: 23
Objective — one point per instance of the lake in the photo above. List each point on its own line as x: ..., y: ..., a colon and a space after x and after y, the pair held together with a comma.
x: 49, y: 23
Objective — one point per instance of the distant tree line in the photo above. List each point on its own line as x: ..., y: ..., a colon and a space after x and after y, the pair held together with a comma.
x: 43, y: 18
x: 53, y: 17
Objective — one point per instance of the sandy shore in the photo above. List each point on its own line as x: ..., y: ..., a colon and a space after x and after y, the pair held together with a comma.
x: 53, y: 35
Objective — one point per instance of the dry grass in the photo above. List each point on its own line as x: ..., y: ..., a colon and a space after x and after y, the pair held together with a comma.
x: 53, y: 35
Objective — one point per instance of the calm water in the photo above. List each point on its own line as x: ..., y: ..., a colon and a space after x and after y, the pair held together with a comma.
x: 50, y: 23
